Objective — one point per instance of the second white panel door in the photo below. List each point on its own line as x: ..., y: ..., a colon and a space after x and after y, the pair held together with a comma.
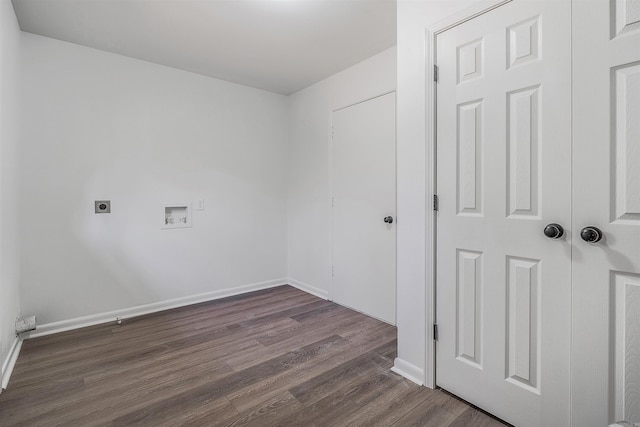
x: 364, y: 205
x: 605, y: 346
x: 503, y: 175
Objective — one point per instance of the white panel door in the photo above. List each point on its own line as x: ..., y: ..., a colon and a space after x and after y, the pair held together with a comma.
x: 364, y: 185
x: 606, y: 194
x: 503, y: 174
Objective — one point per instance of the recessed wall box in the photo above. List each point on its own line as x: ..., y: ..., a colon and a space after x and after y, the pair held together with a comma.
x: 176, y: 215
x: 102, y: 206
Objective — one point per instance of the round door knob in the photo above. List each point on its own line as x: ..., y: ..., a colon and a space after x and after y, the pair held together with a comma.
x: 388, y: 219
x: 591, y: 234
x: 554, y: 231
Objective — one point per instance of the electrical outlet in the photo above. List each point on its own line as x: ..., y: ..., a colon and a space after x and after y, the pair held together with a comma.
x: 103, y: 206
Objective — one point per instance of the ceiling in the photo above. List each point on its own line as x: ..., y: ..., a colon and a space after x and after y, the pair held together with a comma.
x: 277, y: 45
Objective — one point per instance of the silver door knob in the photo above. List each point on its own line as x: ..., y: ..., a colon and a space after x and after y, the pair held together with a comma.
x: 591, y: 234
x: 388, y: 219
x: 554, y: 231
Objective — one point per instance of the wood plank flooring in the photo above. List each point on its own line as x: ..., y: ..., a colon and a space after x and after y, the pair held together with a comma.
x: 278, y: 357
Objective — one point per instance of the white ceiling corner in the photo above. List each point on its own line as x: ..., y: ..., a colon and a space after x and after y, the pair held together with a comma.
x: 276, y: 45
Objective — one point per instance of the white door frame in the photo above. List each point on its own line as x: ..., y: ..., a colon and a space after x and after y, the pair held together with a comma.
x: 430, y: 146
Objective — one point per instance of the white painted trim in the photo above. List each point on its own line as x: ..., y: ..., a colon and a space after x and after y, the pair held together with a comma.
x: 320, y: 293
x: 362, y: 101
x: 408, y: 370
x: 330, y: 287
x: 431, y: 32
x: 10, y: 362
x: 465, y: 15
x: 430, y: 243
x: 95, y: 319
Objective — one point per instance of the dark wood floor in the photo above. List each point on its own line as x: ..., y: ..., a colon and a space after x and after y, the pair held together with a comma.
x: 268, y: 358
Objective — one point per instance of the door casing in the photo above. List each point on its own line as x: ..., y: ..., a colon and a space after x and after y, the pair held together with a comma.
x: 430, y: 153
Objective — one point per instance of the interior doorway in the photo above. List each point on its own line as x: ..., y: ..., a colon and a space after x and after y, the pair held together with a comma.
x: 364, y: 207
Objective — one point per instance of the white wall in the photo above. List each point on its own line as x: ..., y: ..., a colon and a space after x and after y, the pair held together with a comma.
x: 9, y: 105
x: 308, y: 210
x: 102, y: 126
x: 414, y: 16
x: 98, y: 126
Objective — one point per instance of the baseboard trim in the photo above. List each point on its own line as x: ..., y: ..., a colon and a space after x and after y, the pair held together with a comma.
x: 408, y: 370
x: 10, y: 362
x: 111, y: 316
x: 308, y: 288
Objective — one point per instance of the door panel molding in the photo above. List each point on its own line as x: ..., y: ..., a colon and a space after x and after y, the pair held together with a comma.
x: 503, y: 288
x: 605, y: 335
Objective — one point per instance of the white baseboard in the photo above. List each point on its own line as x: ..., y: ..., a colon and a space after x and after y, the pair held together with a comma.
x: 308, y: 288
x: 408, y: 370
x: 10, y: 362
x: 111, y: 316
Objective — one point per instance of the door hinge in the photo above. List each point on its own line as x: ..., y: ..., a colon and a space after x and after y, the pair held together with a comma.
x: 435, y: 73
x: 332, y: 202
x: 435, y: 332
x: 332, y: 269
x: 435, y: 202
